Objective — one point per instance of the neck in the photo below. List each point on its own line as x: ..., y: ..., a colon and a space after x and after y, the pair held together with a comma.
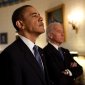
x: 58, y: 44
x: 29, y: 36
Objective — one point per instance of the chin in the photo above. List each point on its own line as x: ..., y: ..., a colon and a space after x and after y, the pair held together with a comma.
x: 42, y: 30
x: 61, y: 42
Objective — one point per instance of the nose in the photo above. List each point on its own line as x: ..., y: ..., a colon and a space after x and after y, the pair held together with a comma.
x: 41, y: 19
x: 62, y: 33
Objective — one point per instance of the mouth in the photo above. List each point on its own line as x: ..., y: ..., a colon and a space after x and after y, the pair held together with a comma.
x: 41, y: 24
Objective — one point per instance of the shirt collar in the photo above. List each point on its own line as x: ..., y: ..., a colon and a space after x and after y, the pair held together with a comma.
x: 29, y: 43
x: 56, y: 46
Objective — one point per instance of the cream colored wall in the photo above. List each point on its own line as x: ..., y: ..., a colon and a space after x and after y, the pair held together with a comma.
x: 73, y: 41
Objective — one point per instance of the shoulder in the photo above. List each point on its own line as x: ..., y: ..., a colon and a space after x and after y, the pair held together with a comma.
x: 11, y: 48
x: 13, y: 51
x: 48, y: 47
x: 64, y: 49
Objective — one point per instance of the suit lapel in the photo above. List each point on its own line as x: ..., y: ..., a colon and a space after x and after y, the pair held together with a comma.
x: 55, y: 52
x: 30, y: 58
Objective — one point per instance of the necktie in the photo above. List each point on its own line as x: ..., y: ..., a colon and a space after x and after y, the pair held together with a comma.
x: 60, y: 51
x: 37, y: 56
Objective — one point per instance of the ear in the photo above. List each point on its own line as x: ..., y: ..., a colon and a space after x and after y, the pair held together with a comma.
x: 50, y: 36
x: 20, y: 24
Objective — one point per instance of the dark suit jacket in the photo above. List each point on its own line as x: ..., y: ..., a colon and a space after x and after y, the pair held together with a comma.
x: 56, y: 65
x: 19, y: 67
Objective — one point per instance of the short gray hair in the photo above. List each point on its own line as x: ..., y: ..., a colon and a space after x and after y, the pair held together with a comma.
x: 51, y: 29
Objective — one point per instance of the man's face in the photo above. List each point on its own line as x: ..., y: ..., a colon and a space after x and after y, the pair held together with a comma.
x: 58, y: 34
x: 33, y: 21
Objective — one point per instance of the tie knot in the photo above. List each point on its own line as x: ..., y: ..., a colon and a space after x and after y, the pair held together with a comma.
x: 35, y: 48
x: 61, y: 53
x: 36, y: 52
x: 59, y: 48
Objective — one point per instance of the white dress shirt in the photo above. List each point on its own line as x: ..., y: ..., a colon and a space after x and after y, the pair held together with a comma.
x: 29, y: 43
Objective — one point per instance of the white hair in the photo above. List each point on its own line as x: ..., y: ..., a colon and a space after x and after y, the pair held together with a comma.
x: 51, y: 28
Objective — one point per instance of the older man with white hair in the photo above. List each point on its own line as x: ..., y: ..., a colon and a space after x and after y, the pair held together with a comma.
x: 62, y: 68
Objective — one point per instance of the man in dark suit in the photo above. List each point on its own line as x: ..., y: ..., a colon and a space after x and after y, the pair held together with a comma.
x: 62, y: 68
x: 18, y: 65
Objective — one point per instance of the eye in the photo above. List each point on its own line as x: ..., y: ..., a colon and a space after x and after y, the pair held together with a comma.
x: 60, y: 31
x: 35, y: 15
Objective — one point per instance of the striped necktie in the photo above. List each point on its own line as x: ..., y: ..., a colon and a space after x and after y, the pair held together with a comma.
x: 37, y: 56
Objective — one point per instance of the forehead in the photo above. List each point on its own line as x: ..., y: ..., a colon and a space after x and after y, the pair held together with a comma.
x: 58, y: 28
x: 30, y: 10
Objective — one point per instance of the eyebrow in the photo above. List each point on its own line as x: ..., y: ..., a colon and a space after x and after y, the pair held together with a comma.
x: 35, y: 13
